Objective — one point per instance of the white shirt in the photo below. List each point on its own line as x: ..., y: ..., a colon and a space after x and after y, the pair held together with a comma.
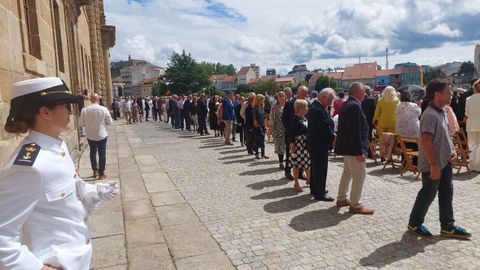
x: 41, y: 198
x: 408, y: 119
x: 94, y: 118
x: 472, y: 111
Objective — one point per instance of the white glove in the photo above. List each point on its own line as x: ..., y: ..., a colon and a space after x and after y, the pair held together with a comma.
x: 87, y: 193
x: 107, y: 191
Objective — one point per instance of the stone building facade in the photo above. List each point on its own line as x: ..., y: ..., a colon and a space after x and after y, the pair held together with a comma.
x: 63, y: 38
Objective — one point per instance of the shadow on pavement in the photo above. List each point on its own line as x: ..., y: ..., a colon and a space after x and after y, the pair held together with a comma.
x: 213, y: 145
x: 249, y: 159
x: 233, y: 151
x: 289, y: 204
x: 409, y: 246
x: 268, y: 183
x: 464, y: 176
x: 231, y: 157
x: 188, y: 136
x: 205, y: 137
x: 388, y: 171
x: 260, y: 171
x: 267, y: 162
x: 279, y: 193
x: 318, y: 219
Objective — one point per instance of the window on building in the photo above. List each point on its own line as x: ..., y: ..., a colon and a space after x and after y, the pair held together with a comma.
x: 32, y: 28
x: 58, y: 37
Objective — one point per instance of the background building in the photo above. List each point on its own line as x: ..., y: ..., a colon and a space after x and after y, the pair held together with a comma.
x: 63, y: 38
x: 299, y: 72
x: 271, y: 72
x: 411, y: 73
x: 364, y: 73
x: 245, y: 74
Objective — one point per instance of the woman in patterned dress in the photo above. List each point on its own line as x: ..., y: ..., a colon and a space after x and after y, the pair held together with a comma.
x: 277, y: 127
x: 297, y: 140
x: 135, y: 110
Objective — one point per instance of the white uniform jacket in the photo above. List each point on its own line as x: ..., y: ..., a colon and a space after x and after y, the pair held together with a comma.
x: 41, y: 198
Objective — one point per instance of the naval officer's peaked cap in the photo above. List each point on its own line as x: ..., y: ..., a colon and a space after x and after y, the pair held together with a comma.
x: 29, y: 95
x: 45, y: 91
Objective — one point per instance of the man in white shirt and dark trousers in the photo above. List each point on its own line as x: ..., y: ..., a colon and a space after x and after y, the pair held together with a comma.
x: 94, y: 118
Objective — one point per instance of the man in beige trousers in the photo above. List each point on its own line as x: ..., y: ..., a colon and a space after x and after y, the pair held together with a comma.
x: 352, y: 144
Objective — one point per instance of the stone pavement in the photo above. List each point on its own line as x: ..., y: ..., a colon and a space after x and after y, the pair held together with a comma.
x: 253, y: 214
x: 150, y: 225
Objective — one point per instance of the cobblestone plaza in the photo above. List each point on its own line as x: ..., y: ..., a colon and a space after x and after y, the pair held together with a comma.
x: 261, y: 223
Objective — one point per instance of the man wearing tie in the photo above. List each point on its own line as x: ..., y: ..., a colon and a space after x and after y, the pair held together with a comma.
x: 320, y: 138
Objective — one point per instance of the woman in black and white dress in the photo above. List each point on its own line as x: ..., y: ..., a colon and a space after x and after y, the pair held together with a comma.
x: 297, y: 141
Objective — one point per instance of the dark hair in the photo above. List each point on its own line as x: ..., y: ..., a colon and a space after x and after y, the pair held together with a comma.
x: 228, y: 92
x: 406, y: 96
x: 434, y: 86
x: 341, y: 95
x: 23, y: 122
x: 472, y: 82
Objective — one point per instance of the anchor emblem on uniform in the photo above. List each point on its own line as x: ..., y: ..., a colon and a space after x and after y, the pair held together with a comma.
x: 29, y: 150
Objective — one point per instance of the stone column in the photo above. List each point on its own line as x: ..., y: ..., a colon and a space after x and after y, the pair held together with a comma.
x: 108, y: 76
x: 108, y: 41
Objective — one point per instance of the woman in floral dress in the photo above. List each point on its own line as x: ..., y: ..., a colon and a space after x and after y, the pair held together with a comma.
x: 278, y: 130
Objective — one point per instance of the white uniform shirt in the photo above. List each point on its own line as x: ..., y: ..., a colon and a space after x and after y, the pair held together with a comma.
x: 42, y: 200
x: 94, y: 118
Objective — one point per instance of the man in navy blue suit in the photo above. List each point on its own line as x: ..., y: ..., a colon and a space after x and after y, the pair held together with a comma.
x: 352, y: 144
x: 320, y: 138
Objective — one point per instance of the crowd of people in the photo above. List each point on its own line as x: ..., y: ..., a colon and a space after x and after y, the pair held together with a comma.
x: 305, y: 129
x: 308, y: 126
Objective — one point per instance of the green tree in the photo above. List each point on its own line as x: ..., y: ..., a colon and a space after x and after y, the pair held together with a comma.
x: 467, y: 68
x: 183, y: 74
x: 159, y: 89
x: 433, y: 73
x: 216, y: 68
x: 339, y: 89
x: 243, y: 88
x: 269, y: 87
x: 325, y: 81
x: 115, y: 72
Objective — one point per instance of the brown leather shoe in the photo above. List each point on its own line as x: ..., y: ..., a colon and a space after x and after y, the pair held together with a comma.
x: 362, y: 210
x: 343, y: 203
x: 103, y: 176
x: 95, y: 174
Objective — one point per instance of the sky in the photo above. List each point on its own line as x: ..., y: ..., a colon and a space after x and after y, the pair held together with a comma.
x: 279, y: 33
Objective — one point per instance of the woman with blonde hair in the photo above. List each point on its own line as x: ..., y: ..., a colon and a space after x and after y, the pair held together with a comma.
x: 297, y: 142
x: 259, y: 125
x: 385, y: 113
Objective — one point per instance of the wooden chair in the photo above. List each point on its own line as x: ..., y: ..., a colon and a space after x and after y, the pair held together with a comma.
x: 461, y: 148
x: 395, y: 152
x: 408, y: 155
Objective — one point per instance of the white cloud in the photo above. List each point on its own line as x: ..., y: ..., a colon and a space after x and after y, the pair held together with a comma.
x: 445, y: 30
x: 283, y: 33
x: 251, y: 44
x: 140, y: 48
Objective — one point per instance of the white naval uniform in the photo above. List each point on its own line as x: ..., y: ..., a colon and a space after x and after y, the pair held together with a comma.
x: 42, y: 200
